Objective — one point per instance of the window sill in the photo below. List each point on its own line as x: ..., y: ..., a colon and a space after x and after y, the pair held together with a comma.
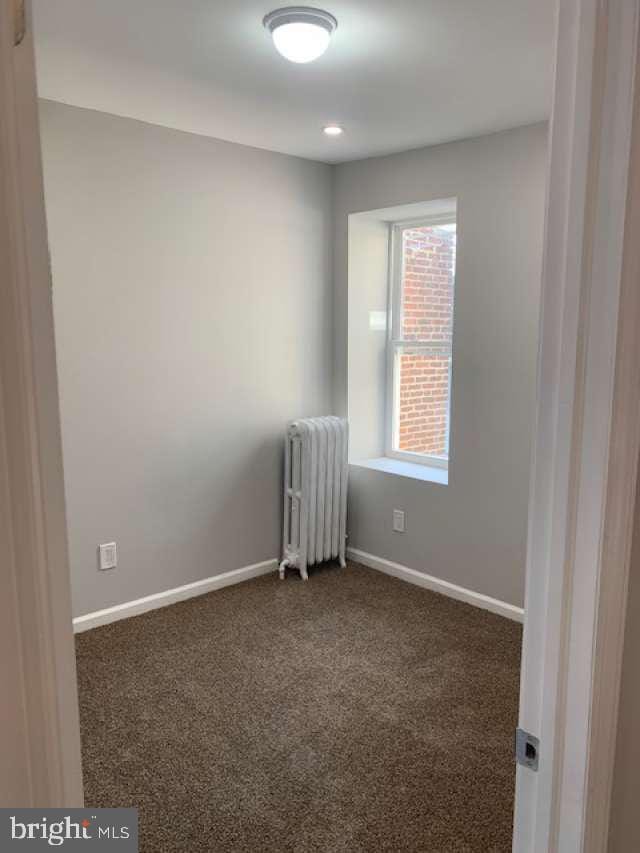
x: 405, y: 469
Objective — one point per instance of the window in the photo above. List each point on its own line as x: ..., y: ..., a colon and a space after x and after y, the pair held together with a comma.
x: 423, y: 262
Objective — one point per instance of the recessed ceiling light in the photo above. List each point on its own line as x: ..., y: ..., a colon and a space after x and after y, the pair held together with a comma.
x: 333, y: 130
x: 300, y: 33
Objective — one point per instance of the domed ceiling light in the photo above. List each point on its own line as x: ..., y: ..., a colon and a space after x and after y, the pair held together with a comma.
x: 300, y: 33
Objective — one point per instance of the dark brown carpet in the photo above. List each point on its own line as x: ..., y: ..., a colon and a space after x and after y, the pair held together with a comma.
x: 351, y: 713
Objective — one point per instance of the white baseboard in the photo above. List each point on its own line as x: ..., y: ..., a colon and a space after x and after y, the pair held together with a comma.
x: 181, y: 593
x: 502, y: 608
x: 170, y: 596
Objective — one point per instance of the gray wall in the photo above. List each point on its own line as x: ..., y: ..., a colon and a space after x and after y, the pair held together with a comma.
x: 193, y: 301
x: 624, y: 834
x: 368, y: 292
x: 192, y: 295
x: 473, y: 531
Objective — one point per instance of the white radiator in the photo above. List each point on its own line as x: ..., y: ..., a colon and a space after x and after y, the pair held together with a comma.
x: 315, y: 492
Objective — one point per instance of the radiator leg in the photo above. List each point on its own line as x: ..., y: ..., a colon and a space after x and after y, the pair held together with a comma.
x: 303, y: 573
x: 343, y: 562
x: 283, y: 566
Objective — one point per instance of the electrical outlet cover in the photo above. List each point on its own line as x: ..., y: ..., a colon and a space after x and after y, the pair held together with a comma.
x: 107, y: 556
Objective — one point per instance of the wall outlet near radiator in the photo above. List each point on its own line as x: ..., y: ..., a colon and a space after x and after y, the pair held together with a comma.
x: 107, y: 556
x: 398, y: 520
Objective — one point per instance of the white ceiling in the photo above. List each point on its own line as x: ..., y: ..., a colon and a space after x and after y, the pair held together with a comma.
x: 398, y: 74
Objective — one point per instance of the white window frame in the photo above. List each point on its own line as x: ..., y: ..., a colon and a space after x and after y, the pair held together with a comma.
x: 395, y: 343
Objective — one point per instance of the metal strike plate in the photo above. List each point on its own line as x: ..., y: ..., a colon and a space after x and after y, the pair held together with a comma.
x: 527, y: 749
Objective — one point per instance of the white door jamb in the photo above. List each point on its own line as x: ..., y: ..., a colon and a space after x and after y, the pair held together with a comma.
x: 586, y: 439
x: 39, y: 729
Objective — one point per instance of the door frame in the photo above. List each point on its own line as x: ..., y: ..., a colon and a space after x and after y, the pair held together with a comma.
x: 584, y: 464
x: 39, y: 727
x: 587, y: 434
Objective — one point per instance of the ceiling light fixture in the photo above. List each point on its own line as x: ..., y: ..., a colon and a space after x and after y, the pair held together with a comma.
x: 333, y: 130
x: 300, y: 33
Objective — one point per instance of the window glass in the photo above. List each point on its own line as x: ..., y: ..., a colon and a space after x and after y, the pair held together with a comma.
x: 421, y: 347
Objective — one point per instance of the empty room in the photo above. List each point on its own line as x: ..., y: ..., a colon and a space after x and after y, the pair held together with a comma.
x: 280, y: 241
x: 297, y: 262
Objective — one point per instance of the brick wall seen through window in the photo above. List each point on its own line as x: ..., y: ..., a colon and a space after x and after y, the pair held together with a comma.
x: 422, y: 370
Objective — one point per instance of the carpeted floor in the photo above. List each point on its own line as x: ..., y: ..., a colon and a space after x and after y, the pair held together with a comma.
x: 351, y: 713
